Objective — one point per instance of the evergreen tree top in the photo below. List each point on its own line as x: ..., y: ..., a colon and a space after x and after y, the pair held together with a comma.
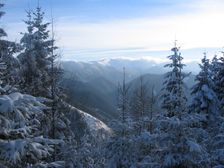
x: 215, y: 59
x: 176, y: 59
x: 205, y: 63
x: 174, y: 99
x: 29, y: 22
x: 175, y: 49
x: 204, y: 75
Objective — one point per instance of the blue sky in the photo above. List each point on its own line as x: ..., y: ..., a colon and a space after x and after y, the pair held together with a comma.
x: 98, y: 10
x: 96, y: 29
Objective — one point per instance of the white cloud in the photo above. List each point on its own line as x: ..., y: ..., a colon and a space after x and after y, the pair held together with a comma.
x: 201, y: 28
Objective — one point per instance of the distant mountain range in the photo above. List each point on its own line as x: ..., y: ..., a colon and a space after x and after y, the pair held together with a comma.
x: 92, y: 86
x: 112, y: 69
x: 189, y: 54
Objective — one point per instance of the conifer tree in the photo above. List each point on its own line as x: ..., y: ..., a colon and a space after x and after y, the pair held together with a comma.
x: 152, y: 107
x: 214, y: 68
x: 179, y: 135
x: 205, y: 100
x: 123, y: 103
x: 2, y: 63
x: 21, y: 141
x: 215, y: 145
x: 140, y: 105
x: 174, y: 99
x: 8, y: 48
x: 37, y: 49
x: 120, y: 147
x: 139, y: 102
x: 41, y: 73
x: 60, y: 124
x: 220, y: 82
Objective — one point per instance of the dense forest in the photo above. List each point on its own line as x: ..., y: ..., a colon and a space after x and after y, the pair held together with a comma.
x: 181, y: 127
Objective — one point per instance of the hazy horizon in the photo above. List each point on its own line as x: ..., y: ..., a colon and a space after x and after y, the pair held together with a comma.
x: 91, y: 30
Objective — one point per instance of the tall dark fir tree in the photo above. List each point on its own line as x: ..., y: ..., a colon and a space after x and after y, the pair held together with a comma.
x: 41, y: 74
x: 37, y: 48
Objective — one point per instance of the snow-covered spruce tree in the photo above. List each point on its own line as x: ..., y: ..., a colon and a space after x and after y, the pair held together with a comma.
x: 36, y: 54
x: 219, y: 82
x: 179, y: 135
x: 173, y: 97
x: 41, y: 73
x: 214, y: 68
x: 119, y: 150
x: 205, y: 100
x: 215, y: 127
x: 21, y: 143
x: 87, y: 153
x: 8, y: 48
x: 215, y: 143
x: 180, y: 142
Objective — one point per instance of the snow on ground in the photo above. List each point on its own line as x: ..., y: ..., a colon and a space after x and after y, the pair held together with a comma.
x: 94, y: 126
x: 94, y: 123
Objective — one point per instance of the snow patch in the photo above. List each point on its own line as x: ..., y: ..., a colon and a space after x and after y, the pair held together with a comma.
x: 93, y: 123
x: 6, y: 104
